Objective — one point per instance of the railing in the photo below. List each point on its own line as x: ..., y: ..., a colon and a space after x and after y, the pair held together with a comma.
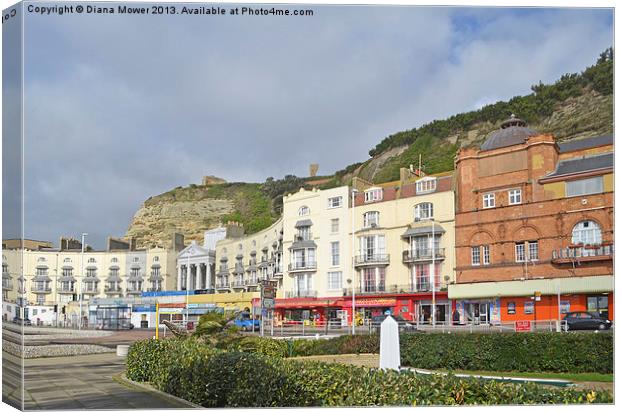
x: 583, y: 252
x: 112, y: 289
x: 423, y: 254
x: 336, y: 327
x: 301, y: 294
x: 301, y: 266
x: 238, y: 283
x: 134, y: 290
x: 393, y: 289
x: 223, y: 285
x: 90, y: 291
x: 41, y: 289
x: 300, y: 238
x: 382, y: 259
x: 154, y: 289
x: 7, y: 285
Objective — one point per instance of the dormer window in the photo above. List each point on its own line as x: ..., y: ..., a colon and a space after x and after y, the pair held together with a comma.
x: 304, y: 211
x: 371, y: 219
x: 373, y: 195
x: 426, y: 185
x: 423, y: 211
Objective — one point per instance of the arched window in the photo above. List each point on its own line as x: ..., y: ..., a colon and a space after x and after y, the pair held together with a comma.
x: 156, y: 259
x: 423, y: 211
x: 587, y: 232
x: 371, y: 219
x: 304, y: 210
x: 92, y: 260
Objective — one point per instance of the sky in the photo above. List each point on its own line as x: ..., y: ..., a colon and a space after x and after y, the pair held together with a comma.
x: 119, y: 108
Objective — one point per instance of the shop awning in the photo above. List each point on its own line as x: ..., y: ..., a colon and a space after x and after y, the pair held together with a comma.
x: 590, y: 284
x: 423, y: 230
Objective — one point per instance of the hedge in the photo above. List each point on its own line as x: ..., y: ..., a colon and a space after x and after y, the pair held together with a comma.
x: 215, y: 378
x: 530, y: 352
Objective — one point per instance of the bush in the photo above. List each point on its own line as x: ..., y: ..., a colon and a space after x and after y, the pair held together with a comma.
x: 227, y: 379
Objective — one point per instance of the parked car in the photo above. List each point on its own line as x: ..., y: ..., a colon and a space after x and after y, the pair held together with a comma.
x: 244, y: 321
x: 586, y: 321
x: 403, y: 324
x: 24, y: 322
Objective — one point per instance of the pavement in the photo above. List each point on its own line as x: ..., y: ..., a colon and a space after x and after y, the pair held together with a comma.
x: 77, y: 382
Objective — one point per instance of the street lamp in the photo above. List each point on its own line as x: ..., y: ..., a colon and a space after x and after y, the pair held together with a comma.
x: 353, y: 193
x: 81, y: 280
x: 187, y: 275
x: 433, y: 269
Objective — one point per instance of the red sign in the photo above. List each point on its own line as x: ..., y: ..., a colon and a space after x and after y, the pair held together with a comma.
x: 523, y: 326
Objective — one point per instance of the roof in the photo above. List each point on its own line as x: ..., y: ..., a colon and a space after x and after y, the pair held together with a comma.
x: 303, y: 223
x: 587, y: 143
x: 423, y: 230
x: 583, y: 164
x: 513, y: 132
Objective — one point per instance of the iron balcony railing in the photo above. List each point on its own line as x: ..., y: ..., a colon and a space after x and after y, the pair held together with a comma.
x: 372, y: 259
x: 301, y: 293
x: 583, y: 252
x: 307, y: 265
x: 112, y: 289
x: 41, y: 289
x: 416, y: 255
x: 240, y: 283
x: 222, y: 285
x: 7, y: 285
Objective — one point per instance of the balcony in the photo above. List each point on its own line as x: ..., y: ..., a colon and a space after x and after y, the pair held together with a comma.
x: 419, y: 255
x: 238, y: 284
x: 90, y: 291
x: 112, y: 289
x: 301, y: 294
x: 157, y: 289
x: 7, y: 285
x: 134, y: 291
x: 372, y: 260
x: 41, y: 289
x: 222, y: 286
x: 66, y: 290
x: 302, y: 266
x: 582, y: 254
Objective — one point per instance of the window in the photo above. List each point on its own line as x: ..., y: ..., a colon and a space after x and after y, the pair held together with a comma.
x: 512, y: 308
x: 335, y: 225
x: 41, y: 259
x: 91, y: 272
x: 304, y: 210
x: 372, y: 247
x: 520, y: 251
x: 371, y: 219
x: 303, y: 233
x: 41, y: 272
x: 528, y: 307
x: 514, y: 197
x: 334, y: 280
x: 424, y: 211
x: 114, y: 260
x: 40, y: 299
x: 335, y: 253
x: 136, y: 259
x: 92, y: 260
x: 475, y: 255
x: 587, y: 232
x: 333, y: 202
x: 67, y: 260
x: 584, y: 186
x: 533, y: 250
x: 156, y: 259
x: 373, y: 195
x: 67, y: 272
x: 486, y: 255
x: 426, y: 185
x: 373, y: 280
x: 488, y: 200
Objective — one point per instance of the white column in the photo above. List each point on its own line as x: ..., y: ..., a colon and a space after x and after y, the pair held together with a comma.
x: 199, y: 276
x: 179, y: 274
x: 209, y: 276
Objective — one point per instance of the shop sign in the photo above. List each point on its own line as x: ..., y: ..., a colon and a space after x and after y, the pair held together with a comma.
x: 523, y: 326
x: 143, y: 308
x: 171, y: 310
x: 375, y: 302
x: 201, y: 305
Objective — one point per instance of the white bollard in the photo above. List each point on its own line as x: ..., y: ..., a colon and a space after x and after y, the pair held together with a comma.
x: 122, y: 350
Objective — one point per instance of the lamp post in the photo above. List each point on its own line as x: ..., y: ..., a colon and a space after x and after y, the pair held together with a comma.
x: 187, y: 275
x: 81, y: 280
x: 353, y: 193
x: 433, y: 269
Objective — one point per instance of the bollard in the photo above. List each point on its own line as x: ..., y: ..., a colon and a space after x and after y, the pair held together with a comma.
x: 122, y: 350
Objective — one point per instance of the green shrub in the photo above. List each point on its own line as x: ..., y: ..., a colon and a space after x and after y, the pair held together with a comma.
x: 263, y: 346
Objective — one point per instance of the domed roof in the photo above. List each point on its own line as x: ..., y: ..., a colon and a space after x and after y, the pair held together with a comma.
x: 514, y: 131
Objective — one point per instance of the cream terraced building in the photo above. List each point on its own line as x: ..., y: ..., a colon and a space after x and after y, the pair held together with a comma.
x: 242, y: 262
x: 44, y: 278
x: 317, y: 243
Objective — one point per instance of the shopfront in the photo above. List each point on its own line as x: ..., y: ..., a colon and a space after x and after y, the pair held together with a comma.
x: 477, y: 312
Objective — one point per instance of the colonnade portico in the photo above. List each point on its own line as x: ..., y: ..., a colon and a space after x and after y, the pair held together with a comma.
x: 200, y: 276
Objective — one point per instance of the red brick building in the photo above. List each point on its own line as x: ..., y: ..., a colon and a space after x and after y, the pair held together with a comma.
x: 534, y: 227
